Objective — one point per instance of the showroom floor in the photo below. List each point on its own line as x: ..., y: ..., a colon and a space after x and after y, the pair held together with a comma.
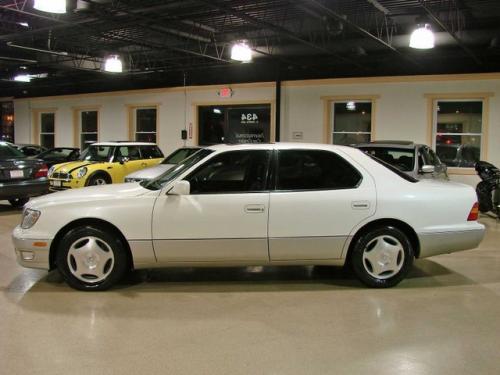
x: 444, y: 319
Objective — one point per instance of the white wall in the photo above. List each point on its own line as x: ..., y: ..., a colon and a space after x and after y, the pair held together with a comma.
x: 401, y: 111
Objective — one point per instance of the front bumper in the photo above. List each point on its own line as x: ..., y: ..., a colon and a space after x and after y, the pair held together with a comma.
x: 24, y: 189
x: 449, y: 242
x: 31, y: 253
x: 60, y: 184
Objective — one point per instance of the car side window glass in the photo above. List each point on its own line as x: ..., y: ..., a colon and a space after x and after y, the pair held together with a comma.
x: 314, y: 170
x: 150, y: 152
x: 232, y: 172
x: 130, y: 152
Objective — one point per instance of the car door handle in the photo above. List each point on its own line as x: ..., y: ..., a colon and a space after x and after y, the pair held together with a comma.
x: 360, y: 205
x: 255, y: 208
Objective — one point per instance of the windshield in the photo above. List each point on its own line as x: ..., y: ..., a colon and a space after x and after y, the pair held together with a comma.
x: 97, y: 153
x: 171, y: 174
x: 179, y: 155
x: 401, y: 158
x: 8, y: 152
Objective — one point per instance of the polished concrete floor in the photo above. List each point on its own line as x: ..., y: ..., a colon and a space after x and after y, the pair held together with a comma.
x: 444, y: 319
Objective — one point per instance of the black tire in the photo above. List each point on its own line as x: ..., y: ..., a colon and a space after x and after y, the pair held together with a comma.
x: 382, y: 248
x: 18, y: 202
x: 75, y: 258
x: 99, y: 179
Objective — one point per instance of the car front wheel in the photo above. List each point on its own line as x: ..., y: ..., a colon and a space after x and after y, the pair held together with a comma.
x: 91, y: 259
x: 18, y: 202
x: 382, y: 257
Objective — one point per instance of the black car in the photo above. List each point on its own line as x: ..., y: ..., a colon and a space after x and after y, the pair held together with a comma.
x: 30, y: 150
x: 20, y: 177
x: 59, y: 155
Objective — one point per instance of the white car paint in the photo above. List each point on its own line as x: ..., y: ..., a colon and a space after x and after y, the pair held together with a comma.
x: 302, y: 227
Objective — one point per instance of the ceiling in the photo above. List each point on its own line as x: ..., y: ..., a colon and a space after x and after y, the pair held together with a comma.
x: 169, y: 42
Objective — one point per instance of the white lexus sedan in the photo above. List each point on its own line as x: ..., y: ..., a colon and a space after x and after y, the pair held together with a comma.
x: 235, y: 205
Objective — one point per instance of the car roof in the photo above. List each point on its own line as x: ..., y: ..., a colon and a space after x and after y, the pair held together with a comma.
x: 388, y: 144
x: 278, y: 146
x: 123, y: 143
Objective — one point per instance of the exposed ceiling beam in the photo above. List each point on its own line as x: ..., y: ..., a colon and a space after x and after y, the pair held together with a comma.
x: 441, y: 24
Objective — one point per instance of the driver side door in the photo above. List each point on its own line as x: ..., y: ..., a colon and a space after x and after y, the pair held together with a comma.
x: 223, y: 219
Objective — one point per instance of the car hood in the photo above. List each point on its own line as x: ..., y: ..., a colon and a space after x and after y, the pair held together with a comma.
x: 73, y: 165
x: 91, y: 193
x: 150, y: 173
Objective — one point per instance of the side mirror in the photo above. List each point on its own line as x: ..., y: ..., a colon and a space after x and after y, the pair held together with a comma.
x: 122, y: 159
x: 428, y: 169
x: 180, y: 188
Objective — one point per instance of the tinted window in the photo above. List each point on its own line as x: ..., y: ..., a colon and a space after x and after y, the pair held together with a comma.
x: 151, y: 152
x: 234, y: 171
x: 402, y: 158
x: 7, y: 152
x: 314, y: 170
x: 179, y: 155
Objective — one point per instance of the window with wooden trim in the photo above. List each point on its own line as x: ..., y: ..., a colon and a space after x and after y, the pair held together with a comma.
x: 145, y: 124
x: 351, y: 122
x: 89, y: 128
x: 47, y: 129
x: 458, y: 131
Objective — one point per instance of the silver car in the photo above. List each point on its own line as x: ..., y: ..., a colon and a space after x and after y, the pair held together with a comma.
x: 416, y: 160
x: 169, y: 162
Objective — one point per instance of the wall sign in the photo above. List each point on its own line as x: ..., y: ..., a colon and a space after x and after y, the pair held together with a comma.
x: 248, y: 124
x: 225, y: 92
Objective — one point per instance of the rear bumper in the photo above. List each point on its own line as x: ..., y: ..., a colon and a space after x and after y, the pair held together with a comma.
x: 31, y: 253
x: 449, y: 242
x: 22, y: 189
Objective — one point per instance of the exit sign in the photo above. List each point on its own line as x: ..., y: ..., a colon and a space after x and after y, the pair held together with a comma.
x: 225, y: 92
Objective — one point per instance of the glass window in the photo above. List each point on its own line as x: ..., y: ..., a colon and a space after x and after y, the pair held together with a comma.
x: 401, y: 158
x: 7, y: 152
x: 233, y: 171
x: 150, y: 152
x: 458, y: 132
x: 97, y: 153
x: 130, y: 152
x: 352, y: 122
x: 47, y: 129
x: 314, y: 170
x: 145, y: 125
x: 89, y: 128
x: 179, y: 155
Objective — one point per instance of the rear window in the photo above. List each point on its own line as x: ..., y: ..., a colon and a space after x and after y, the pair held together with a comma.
x: 7, y: 152
x: 397, y: 171
x: 401, y: 158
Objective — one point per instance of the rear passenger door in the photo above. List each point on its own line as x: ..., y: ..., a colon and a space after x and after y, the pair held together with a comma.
x: 319, y: 198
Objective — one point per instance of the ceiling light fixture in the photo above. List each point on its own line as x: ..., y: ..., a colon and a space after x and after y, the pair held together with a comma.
x: 422, y: 37
x: 51, y: 6
x: 113, y: 64
x: 241, y: 52
x: 22, y: 78
x: 23, y: 24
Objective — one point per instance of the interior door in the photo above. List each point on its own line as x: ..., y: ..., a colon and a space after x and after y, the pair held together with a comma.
x: 319, y: 199
x: 224, y: 218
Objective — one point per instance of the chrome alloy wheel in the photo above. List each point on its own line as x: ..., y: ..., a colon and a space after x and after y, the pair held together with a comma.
x: 383, y: 257
x: 100, y: 181
x: 90, y: 259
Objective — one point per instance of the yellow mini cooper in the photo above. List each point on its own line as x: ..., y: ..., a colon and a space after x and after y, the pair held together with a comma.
x: 104, y: 163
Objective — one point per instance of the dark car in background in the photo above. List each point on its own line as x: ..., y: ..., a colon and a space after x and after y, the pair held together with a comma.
x: 59, y: 155
x: 458, y: 155
x: 20, y: 177
x: 30, y: 150
x: 416, y: 160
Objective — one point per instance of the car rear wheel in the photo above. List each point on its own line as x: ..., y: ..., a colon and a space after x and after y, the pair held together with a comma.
x: 91, y: 259
x: 18, y: 202
x: 382, y: 257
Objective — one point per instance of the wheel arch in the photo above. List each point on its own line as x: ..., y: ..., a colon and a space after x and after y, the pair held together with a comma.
x: 399, y: 224
x: 95, y: 222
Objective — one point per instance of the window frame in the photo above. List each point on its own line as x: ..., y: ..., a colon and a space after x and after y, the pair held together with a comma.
x: 80, y: 126
x: 276, y: 169
x: 433, y: 99
x: 132, y: 120
x: 40, y: 130
x: 328, y: 123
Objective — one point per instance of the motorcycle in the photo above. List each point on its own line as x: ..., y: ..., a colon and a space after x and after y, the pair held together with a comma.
x: 488, y: 190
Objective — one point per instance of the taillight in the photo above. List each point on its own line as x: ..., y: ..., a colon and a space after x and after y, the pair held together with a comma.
x: 474, y: 212
x: 42, y: 172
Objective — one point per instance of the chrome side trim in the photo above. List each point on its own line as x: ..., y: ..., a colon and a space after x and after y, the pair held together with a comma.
x: 143, y: 254
x: 306, y: 248
x: 212, y: 250
x: 448, y: 242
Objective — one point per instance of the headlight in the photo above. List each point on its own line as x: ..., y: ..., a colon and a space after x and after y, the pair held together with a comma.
x: 81, y: 172
x: 51, y: 170
x: 30, y: 217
